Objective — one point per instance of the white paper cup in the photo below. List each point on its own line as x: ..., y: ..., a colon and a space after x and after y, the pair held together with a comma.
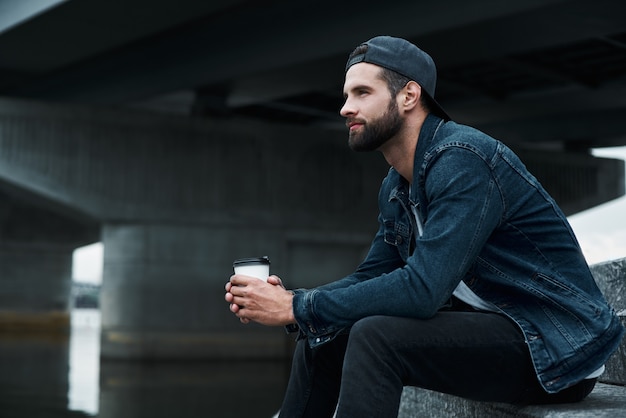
x: 258, y: 267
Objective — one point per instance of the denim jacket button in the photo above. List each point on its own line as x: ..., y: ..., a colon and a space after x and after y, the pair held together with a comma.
x: 399, y: 239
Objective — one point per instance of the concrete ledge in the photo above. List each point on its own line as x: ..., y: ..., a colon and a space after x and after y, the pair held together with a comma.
x: 611, y: 279
x: 616, y: 365
x: 605, y: 401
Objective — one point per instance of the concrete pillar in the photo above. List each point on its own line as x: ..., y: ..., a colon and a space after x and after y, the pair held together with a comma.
x: 35, y: 286
x: 162, y: 293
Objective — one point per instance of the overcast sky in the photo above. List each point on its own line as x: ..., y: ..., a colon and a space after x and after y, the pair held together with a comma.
x: 601, y: 231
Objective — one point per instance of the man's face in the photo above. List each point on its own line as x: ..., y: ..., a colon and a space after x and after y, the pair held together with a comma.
x: 371, y: 113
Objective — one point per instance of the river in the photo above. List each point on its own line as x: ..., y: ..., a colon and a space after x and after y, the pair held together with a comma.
x: 52, y: 377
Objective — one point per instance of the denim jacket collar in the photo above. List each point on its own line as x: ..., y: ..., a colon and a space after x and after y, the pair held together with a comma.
x: 427, y: 133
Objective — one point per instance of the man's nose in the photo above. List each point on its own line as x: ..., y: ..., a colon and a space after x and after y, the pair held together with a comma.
x: 347, y: 109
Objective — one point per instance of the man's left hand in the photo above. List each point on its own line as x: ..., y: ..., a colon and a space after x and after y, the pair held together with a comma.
x: 267, y: 303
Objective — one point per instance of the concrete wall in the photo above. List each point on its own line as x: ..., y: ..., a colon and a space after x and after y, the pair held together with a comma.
x: 123, y: 166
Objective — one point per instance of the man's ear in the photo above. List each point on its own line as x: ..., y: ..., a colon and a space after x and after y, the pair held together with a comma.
x: 412, y: 93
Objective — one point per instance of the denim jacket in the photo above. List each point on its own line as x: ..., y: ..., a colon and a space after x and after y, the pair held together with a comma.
x: 487, y: 221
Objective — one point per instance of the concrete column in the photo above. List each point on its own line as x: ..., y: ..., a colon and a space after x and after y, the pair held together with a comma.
x: 35, y: 286
x: 162, y: 293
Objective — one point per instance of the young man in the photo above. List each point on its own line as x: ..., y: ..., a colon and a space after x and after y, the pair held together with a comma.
x: 474, y: 284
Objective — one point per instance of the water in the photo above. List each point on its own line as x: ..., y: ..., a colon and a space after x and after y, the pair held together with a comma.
x: 63, y: 377
x: 84, y: 362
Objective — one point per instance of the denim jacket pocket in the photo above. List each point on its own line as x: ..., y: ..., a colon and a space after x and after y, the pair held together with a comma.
x: 573, y: 315
x: 399, y: 235
x: 564, y: 294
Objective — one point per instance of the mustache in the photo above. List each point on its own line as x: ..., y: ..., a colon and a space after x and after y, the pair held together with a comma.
x: 351, y: 121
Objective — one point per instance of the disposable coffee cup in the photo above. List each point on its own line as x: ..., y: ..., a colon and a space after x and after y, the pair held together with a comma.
x: 258, y: 267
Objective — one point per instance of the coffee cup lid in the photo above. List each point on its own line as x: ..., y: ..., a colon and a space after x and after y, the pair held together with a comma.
x: 252, y: 260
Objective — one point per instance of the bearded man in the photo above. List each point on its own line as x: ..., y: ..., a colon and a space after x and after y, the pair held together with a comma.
x: 474, y: 284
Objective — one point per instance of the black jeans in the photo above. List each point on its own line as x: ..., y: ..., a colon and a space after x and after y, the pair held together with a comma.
x: 475, y: 355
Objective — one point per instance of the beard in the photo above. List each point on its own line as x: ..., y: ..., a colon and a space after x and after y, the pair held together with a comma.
x: 377, y: 132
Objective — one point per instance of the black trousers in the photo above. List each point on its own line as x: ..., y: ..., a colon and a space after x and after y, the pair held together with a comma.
x: 475, y: 355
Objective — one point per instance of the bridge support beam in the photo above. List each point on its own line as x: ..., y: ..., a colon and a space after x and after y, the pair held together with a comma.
x: 162, y: 293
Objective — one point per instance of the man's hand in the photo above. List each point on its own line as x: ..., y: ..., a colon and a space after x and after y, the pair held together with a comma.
x: 252, y: 299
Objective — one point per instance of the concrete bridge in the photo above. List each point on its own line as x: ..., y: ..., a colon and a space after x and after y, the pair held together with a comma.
x: 182, y: 144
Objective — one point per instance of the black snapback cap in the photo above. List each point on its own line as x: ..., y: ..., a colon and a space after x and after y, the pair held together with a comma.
x: 403, y: 57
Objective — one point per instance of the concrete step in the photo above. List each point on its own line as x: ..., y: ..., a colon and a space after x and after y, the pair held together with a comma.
x: 605, y: 401
x: 611, y: 279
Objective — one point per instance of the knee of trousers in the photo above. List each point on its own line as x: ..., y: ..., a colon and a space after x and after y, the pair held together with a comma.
x: 368, y: 335
x: 370, y: 354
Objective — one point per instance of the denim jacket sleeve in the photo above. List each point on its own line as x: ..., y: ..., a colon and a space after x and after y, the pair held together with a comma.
x: 381, y: 258
x: 463, y: 206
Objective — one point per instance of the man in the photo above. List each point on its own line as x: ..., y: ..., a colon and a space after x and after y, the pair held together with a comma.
x: 474, y: 284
